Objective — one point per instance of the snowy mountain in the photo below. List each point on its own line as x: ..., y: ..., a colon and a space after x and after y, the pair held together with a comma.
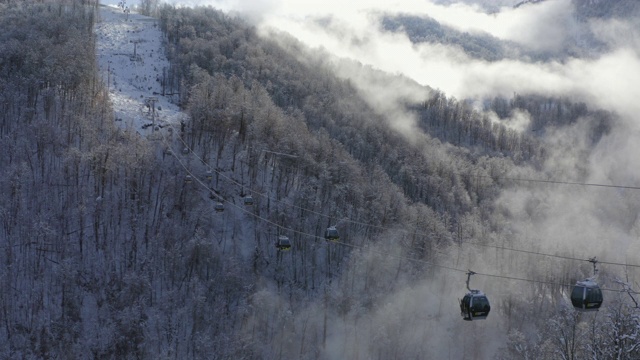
x: 155, y: 167
x: 133, y: 65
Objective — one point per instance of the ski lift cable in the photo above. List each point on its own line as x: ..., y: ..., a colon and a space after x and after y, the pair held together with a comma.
x: 549, y: 255
x: 196, y: 178
x: 265, y: 195
x: 386, y: 254
x: 243, y: 209
x: 543, y: 282
x: 308, y: 235
x: 614, y: 186
x: 424, y: 234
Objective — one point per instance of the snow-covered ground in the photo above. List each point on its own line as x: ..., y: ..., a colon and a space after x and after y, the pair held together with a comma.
x: 131, y: 59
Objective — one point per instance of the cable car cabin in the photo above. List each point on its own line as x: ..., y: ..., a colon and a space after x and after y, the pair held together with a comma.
x: 219, y: 207
x: 331, y: 234
x: 248, y: 200
x: 188, y: 179
x: 475, y: 306
x: 283, y: 243
x: 209, y: 175
x: 586, y: 296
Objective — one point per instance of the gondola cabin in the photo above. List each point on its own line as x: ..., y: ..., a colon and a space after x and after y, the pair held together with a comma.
x: 248, y: 200
x: 475, y: 306
x: 586, y: 296
x: 188, y: 179
x: 283, y: 243
x: 185, y: 150
x: 219, y: 207
x: 208, y: 175
x: 331, y: 234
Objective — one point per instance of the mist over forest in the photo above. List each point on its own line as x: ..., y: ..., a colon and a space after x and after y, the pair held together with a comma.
x: 438, y: 138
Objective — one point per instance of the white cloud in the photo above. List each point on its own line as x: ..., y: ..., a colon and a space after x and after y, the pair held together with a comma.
x: 518, y: 121
x: 541, y: 26
x: 617, y: 33
x: 353, y: 32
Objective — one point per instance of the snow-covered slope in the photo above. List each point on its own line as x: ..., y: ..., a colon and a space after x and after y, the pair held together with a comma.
x: 131, y: 59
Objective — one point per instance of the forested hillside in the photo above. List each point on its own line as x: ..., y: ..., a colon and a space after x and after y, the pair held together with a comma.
x: 113, y: 246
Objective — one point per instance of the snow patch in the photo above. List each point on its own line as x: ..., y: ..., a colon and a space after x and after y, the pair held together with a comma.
x: 132, y: 60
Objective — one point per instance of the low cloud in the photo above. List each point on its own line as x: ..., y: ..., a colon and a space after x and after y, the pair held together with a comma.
x: 569, y: 220
x: 387, y: 94
x: 353, y: 31
x: 617, y: 33
x: 518, y: 121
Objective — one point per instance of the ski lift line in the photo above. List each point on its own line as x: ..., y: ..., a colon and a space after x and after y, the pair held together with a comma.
x: 406, y: 231
x: 417, y: 233
x: 209, y: 166
x: 280, y: 153
x: 386, y: 254
x: 219, y: 173
x: 546, y: 282
x: 243, y: 209
x: 304, y: 234
x: 276, y: 200
x: 193, y: 176
x: 265, y: 195
x: 559, y: 182
x: 197, y: 179
x: 549, y: 255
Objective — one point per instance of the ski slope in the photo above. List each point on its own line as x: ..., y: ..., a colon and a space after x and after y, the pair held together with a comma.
x: 131, y: 61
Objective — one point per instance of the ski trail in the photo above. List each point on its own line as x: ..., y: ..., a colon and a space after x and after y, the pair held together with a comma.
x: 131, y: 60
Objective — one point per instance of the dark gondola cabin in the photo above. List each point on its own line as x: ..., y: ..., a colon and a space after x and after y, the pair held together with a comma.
x: 586, y: 296
x: 188, y: 179
x: 219, y: 207
x: 331, y: 234
x: 283, y: 243
x: 475, y: 306
x: 248, y: 200
x: 208, y: 175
